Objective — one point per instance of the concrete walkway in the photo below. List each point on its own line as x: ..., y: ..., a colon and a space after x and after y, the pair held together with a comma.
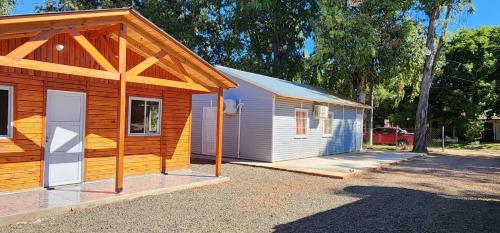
x: 28, y: 205
x: 338, y: 166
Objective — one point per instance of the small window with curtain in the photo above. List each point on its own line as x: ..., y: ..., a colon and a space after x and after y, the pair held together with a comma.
x: 301, y: 122
x: 6, y: 111
x: 144, y: 117
x: 327, y: 125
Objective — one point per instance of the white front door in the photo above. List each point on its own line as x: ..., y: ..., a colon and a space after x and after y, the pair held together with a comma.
x: 208, y: 130
x: 65, y: 132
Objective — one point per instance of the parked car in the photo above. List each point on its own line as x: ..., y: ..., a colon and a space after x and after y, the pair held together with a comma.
x: 387, y: 136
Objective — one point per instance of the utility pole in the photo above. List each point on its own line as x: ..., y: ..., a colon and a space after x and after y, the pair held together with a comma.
x: 370, y: 125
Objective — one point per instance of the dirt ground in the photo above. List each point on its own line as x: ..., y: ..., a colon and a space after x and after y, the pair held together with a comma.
x: 451, y: 192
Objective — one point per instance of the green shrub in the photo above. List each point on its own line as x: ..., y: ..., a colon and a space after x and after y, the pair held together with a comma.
x: 473, y: 130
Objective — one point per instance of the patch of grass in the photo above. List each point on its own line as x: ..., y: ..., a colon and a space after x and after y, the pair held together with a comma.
x: 385, y: 147
x: 481, y: 146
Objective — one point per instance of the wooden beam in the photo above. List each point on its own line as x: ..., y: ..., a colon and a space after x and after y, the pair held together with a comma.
x: 63, y: 16
x: 157, y: 42
x: 32, y: 44
x: 83, y: 25
x: 146, y: 52
x: 218, y: 138
x: 167, y: 83
x: 136, y: 70
x: 164, y: 63
x: 109, y: 51
x: 57, y: 68
x: 94, y: 53
x: 19, y: 35
x: 122, y: 68
x: 180, y: 68
x: 104, y: 31
x: 175, y: 54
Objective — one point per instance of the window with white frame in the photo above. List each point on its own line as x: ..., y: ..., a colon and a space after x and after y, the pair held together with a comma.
x: 327, y: 125
x: 301, y: 122
x: 6, y: 110
x: 144, y: 116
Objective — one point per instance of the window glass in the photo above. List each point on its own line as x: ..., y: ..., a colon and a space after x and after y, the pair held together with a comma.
x: 327, y: 125
x: 300, y: 122
x: 137, y: 116
x: 145, y: 116
x: 4, y: 112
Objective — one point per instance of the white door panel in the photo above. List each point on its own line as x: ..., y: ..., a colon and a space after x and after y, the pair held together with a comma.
x: 208, y: 130
x: 65, y: 135
x: 72, y: 111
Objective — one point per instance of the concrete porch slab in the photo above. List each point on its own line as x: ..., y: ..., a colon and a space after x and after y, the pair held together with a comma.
x: 338, y: 166
x: 29, y: 205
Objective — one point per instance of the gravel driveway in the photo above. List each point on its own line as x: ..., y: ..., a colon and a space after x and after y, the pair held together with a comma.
x: 438, y: 193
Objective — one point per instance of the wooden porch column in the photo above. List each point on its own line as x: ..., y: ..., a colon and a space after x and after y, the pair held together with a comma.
x: 122, y: 69
x: 218, y: 139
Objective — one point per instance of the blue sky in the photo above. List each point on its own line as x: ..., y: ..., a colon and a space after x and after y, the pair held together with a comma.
x: 487, y: 14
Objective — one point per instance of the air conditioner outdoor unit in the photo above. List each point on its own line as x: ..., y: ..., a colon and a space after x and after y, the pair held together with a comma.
x: 230, y: 107
x: 320, y: 111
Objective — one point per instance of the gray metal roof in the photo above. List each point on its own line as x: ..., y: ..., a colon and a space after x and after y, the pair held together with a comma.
x: 288, y: 89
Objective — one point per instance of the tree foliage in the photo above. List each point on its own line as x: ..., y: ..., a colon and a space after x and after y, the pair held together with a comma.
x: 6, y: 6
x: 203, y: 26
x: 373, y: 42
x: 72, y: 5
x: 469, y: 85
x: 273, y: 33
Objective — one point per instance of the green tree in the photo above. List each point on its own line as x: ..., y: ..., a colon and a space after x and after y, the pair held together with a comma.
x: 469, y: 85
x: 6, y: 6
x: 371, y: 42
x: 203, y: 26
x: 272, y: 34
x: 72, y: 5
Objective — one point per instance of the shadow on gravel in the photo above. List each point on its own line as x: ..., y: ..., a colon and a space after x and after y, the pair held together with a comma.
x: 391, y: 209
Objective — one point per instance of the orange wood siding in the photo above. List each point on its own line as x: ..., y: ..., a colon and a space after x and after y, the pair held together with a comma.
x: 21, y: 158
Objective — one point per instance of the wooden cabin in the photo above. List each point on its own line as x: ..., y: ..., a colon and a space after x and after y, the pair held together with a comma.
x: 91, y: 95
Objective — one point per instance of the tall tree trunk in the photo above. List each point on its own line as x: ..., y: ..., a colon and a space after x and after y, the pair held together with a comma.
x: 441, y: 40
x: 276, y: 61
x: 360, y: 89
x: 423, y: 101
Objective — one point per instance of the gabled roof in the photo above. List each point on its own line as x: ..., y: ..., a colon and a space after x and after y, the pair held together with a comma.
x: 143, y: 37
x: 288, y: 89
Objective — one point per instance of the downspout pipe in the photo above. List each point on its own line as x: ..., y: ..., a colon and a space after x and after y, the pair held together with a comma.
x: 239, y: 108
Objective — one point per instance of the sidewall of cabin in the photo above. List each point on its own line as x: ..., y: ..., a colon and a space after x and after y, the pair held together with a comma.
x: 347, y: 131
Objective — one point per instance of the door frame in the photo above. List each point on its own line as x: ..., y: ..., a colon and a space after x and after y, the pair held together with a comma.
x: 83, y: 131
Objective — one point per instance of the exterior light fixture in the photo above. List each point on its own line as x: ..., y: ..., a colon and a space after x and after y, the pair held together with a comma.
x: 59, y: 47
